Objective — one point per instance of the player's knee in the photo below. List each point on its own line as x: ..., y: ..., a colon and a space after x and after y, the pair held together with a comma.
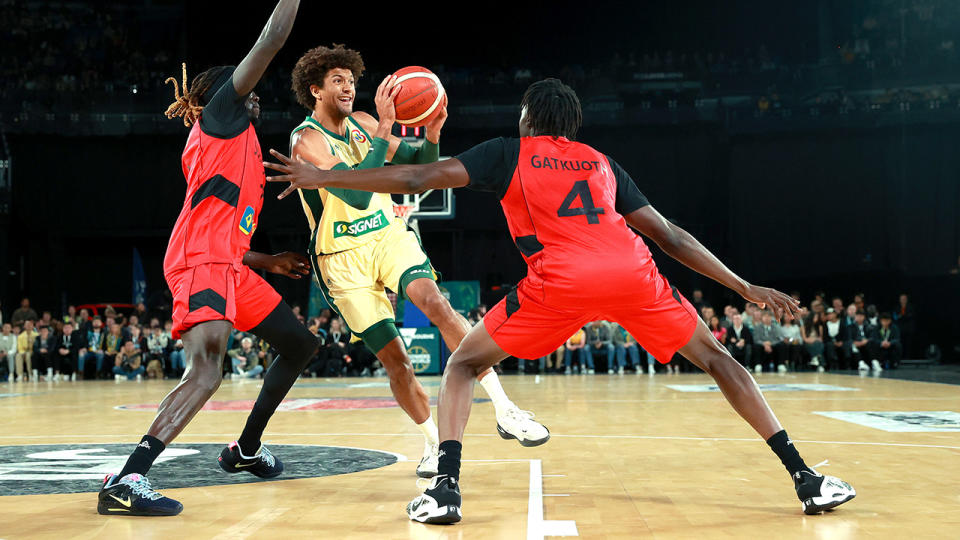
x: 436, y: 307
x: 297, y: 345
x: 462, y: 360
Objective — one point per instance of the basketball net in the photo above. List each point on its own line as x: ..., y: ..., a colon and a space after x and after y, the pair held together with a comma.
x: 405, y: 212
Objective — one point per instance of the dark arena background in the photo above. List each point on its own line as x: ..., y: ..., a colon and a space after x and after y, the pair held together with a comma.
x: 813, y: 146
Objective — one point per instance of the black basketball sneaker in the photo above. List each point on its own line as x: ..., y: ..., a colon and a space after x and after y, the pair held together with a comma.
x: 818, y: 492
x: 262, y: 464
x: 439, y: 504
x: 133, y: 496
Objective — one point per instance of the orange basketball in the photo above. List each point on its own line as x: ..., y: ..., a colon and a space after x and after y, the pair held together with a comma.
x: 420, y: 98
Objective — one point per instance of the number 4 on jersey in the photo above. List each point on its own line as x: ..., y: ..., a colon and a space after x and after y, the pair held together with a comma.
x: 580, y: 189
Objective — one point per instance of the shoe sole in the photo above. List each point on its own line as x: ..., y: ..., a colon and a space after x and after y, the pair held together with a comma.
x: 233, y: 470
x: 443, y: 516
x: 122, y: 511
x: 813, y: 509
x: 527, y: 443
x: 426, y: 474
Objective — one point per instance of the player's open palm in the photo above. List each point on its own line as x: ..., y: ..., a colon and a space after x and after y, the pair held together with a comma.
x: 386, y: 109
x: 435, y: 125
x: 290, y: 264
x: 780, y: 303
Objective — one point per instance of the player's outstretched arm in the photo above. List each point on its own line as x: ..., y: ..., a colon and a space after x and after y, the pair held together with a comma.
x: 449, y: 173
x: 271, y: 40
x: 292, y: 265
x: 683, y: 247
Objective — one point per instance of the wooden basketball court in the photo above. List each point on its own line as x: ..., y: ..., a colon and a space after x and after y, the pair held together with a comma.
x: 631, y: 457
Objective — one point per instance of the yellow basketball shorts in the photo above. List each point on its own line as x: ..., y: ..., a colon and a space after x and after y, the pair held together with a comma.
x: 354, y: 282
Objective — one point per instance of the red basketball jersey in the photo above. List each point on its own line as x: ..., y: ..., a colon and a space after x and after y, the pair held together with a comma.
x: 225, y: 181
x: 560, y: 207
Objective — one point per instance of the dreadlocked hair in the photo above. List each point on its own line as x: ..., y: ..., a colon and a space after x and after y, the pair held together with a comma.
x: 552, y: 109
x: 187, y: 104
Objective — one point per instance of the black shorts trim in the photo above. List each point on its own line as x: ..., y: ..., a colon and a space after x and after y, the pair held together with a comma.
x: 208, y: 298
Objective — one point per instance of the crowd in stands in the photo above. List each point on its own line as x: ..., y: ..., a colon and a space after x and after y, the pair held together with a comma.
x: 93, y: 57
x: 825, y: 337
x: 830, y: 335
x: 133, y: 345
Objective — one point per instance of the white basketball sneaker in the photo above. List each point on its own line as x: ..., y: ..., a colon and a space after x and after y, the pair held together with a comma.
x: 429, y: 462
x: 819, y: 492
x: 520, y: 425
x: 862, y: 366
x: 876, y: 366
x: 440, y: 503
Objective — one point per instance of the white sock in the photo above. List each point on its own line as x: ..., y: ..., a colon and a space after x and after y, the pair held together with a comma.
x: 491, y: 383
x: 431, y: 437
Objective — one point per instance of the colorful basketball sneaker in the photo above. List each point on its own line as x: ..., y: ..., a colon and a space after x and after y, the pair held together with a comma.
x: 262, y: 464
x: 818, y: 492
x: 439, y: 504
x: 133, y: 496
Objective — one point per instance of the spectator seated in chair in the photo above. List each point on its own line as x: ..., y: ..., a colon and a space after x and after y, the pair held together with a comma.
x: 575, y: 353
x: 8, y: 349
x: 624, y: 345
x: 740, y: 341
x: 599, y: 344
x: 246, y: 359
x: 128, y: 363
x: 890, y: 348
x: 768, y: 345
x: 93, y: 356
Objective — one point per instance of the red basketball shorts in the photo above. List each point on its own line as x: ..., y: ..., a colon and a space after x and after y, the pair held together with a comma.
x: 660, y: 319
x: 219, y: 292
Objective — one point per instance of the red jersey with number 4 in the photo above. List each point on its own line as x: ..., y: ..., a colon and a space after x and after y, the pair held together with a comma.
x: 560, y: 207
x: 225, y: 181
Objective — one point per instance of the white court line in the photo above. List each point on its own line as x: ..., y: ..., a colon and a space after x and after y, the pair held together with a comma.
x: 768, y: 396
x: 537, y: 527
x: 126, y: 438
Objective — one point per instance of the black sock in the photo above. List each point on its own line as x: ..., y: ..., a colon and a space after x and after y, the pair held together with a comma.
x: 296, y: 346
x: 783, y: 447
x: 449, y: 463
x: 143, y: 456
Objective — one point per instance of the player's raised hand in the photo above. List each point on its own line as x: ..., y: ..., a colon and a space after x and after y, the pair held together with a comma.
x: 299, y: 173
x: 386, y: 109
x: 781, y: 304
x: 435, y: 125
x: 290, y: 264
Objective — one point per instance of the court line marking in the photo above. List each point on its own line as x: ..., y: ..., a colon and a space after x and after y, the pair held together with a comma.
x: 124, y: 439
x: 769, y: 397
x: 537, y: 527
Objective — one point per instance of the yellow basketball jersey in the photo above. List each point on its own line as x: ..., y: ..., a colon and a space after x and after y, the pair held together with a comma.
x: 339, y: 220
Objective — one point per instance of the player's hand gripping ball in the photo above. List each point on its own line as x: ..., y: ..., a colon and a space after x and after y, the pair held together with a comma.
x: 421, y: 96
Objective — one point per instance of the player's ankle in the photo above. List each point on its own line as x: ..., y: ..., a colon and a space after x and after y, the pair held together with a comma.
x: 449, y: 461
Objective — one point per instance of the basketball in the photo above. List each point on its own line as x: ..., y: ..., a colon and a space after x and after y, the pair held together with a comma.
x: 420, y: 98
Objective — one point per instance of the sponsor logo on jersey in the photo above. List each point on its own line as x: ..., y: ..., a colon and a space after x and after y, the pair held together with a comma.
x: 361, y: 226
x: 247, y: 223
x: 358, y: 136
x: 76, y: 468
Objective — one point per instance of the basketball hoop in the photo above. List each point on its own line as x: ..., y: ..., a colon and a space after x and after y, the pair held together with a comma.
x: 403, y: 211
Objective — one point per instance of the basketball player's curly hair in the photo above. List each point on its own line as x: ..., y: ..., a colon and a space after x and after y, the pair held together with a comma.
x: 313, y: 66
x: 552, y: 109
x: 187, y: 104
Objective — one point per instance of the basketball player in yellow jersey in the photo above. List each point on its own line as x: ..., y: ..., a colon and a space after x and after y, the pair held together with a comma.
x: 359, y: 247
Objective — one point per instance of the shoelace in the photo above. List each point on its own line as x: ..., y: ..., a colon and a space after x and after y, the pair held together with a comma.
x: 142, y: 488
x: 520, y: 415
x: 267, y: 457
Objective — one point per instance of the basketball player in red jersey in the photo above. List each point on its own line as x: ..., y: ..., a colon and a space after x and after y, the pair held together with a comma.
x: 208, y: 268
x: 568, y: 208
